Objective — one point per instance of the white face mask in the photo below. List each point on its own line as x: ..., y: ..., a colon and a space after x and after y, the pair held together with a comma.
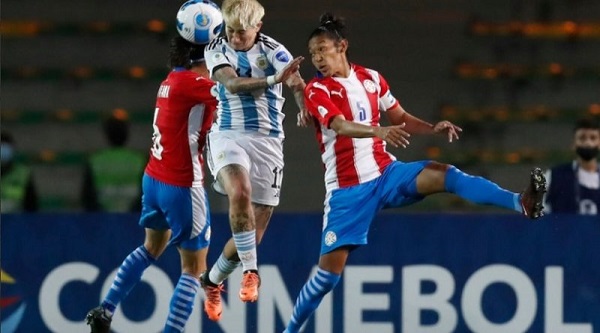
x: 7, y: 153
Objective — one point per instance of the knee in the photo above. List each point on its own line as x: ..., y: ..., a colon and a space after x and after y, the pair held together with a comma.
x: 239, y: 193
x: 154, y: 250
x: 193, y: 262
x: 433, y: 178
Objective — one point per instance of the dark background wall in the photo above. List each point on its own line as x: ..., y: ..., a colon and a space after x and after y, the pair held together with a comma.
x: 416, y: 44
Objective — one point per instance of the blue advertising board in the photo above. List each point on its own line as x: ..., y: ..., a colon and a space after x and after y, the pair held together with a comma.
x: 420, y: 273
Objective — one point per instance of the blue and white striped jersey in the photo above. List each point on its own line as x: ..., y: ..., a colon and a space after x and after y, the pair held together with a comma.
x: 258, y: 111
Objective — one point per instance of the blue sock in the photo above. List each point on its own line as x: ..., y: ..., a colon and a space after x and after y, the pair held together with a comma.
x: 480, y: 190
x: 310, y: 297
x: 182, y: 303
x: 129, y: 274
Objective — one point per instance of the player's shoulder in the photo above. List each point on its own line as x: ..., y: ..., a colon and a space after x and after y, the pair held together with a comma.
x: 187, y: 78
x: 268, y: 42
x: 319, y: 82
x: 216, y: 44
x: 365, y: 70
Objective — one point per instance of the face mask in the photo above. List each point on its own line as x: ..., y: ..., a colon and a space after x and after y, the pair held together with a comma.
x: 6, y: 153
x: 587, y: 153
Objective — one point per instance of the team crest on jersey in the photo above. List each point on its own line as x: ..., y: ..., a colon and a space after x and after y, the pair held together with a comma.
x: 369, y: 86
x: 322, y: 110
x: 217, y: 57
x: 261, y: 62
x: 330, y: 238
x: 282, y: 56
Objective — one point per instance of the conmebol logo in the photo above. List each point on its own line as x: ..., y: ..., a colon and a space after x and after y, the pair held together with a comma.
x: 11, y: 304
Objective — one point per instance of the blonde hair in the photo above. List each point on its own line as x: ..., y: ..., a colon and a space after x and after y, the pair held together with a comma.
x: 248, y: 13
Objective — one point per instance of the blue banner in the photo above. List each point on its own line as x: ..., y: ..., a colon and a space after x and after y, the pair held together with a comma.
x: 419, y: 273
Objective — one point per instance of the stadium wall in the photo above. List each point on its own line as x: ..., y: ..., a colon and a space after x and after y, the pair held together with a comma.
x: 420, y: 273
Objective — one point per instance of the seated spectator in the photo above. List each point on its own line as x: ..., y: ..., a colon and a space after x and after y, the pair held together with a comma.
x: 17, y: 190
x: 113, y: 176
x: 574, y: 187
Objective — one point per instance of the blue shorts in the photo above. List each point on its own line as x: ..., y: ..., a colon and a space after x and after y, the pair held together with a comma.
x: 349, y: 211
x: 184, y: 210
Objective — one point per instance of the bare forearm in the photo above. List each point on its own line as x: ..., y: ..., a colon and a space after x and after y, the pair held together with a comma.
x: 352, y: 129
x: 245, y: 84
x: 415, y: 125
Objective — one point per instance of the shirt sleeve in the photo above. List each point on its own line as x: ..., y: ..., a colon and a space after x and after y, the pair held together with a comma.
x: 319, y: 104
x: 386, y: 99
x: 202, y: 91
x: 280, y: 57
x: 214, y: 58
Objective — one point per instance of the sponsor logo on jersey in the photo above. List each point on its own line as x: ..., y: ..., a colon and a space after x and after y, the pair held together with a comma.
x: 261, y: 62
x: 330, y: 238
x: 369, y: 86
x: 282, y: 56
x: 339, y: 93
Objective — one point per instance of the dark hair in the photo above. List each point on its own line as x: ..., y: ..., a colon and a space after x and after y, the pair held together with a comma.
x: 184, y: 54
x: 7, y: 137
x: 587, y: 123
x: 331, y: 26
x: 116, y: 128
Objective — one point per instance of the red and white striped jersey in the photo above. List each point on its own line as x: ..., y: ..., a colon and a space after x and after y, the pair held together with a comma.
x: 182, y: 117
x: 359, y: 98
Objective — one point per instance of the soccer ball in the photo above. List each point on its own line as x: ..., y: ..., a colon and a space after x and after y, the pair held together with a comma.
x: 199, y: 21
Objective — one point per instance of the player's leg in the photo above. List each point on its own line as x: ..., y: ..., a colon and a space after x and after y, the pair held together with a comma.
x: 331, y: 266
x: 437, y: 177
x: 189, y: 220
x: 193, y: 263
x: 229, y: 163
x: 129, y: 274
x: 345, y: 228
x: 265, y: 162
x: 132, y: 268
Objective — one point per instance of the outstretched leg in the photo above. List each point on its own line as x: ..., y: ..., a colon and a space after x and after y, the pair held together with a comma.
x: 437, y: 177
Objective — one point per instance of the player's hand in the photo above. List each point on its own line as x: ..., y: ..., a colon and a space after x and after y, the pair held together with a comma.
x: 303, y: 118
x: 452, y: 129
x: 289, y: 69
x: 394, y: 135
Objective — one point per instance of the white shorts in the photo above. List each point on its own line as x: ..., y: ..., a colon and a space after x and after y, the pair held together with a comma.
x: 261, y: 156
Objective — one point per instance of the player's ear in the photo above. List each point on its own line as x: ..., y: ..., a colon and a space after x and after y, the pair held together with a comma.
x: 342, y: 46
x: 259, y: 25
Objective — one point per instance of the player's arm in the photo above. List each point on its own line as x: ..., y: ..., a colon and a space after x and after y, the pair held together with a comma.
x: 226, y: 75
x: 394, y: 135
x: 415, y: 125
x: 297, y: 85
x: 327, y: 114
x: 397, y: 115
